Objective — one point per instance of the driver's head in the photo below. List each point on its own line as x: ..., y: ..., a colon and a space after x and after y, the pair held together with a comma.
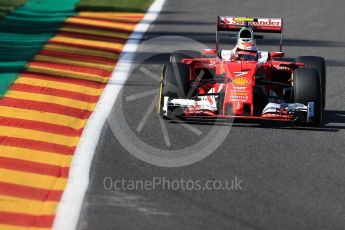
x: 245, y: 40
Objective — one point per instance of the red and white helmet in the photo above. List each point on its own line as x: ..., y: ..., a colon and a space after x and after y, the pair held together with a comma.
x: 245, y: 40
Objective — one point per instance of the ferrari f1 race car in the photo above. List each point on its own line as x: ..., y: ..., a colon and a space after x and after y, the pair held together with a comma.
x: 243, y: 82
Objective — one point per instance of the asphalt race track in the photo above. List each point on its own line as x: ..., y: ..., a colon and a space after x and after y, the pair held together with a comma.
x: 292, y: 178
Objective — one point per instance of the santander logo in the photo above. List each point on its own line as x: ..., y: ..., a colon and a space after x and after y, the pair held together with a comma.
x: 261, y: 22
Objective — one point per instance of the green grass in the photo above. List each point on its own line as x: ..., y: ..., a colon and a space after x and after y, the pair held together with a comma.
x: 114, y: 5
x: 6, y: 6
x: 25, y: 32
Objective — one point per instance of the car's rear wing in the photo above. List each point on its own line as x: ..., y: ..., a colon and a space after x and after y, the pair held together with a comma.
x: 260, y: 25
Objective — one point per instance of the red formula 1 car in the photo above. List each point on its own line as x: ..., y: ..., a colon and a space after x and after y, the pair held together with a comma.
x: 243, y: 83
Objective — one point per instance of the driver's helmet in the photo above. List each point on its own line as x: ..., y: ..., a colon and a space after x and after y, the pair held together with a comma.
x: 245, y: 40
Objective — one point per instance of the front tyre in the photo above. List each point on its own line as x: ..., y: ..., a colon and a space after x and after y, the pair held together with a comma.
x: 174, y: 83
x: 176, y: 80
x: 306, y: 87
x: 317, y: 63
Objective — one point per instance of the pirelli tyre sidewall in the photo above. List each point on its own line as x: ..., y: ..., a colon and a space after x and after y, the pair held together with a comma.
x: 161, y: 96
x: 307, y: 88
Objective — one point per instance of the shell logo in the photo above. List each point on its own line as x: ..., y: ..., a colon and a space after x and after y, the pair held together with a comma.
x: 241, y: 81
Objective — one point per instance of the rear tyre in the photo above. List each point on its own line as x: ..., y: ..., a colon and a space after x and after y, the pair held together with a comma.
x: 306, y: 86
x: 179, y: 55
x: 317, y: 63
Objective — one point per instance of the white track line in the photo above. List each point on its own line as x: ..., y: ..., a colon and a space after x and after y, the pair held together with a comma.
x: 69, y: 208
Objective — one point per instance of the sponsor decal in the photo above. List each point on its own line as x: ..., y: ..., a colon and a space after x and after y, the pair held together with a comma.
x: 241, y: 88
x: 239, y: 74
x: 241, y: 81
x: 239, y: 96
x: 260, y: 22
x: 279, y: 67
x: 212, y: 64
x: 239, y: 93
x: 204, y: 64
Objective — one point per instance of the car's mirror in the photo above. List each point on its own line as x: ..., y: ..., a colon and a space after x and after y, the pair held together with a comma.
x: 209, y: 52
x: 277, y: 54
